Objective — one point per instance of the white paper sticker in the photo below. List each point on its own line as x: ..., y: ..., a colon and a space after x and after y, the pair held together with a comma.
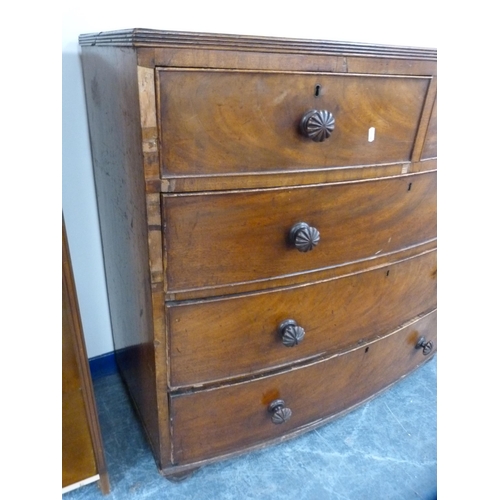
x: 371, y: 134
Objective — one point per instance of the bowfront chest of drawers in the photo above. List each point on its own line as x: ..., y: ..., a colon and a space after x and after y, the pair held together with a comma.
x: 268, y: 217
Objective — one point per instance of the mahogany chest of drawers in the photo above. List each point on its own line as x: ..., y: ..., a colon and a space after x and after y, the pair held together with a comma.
x: 268, y: 218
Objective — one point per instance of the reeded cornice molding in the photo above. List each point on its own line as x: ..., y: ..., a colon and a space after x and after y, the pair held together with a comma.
x: 139, y: 37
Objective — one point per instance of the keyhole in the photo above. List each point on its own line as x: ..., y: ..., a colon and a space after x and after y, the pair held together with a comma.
x: 409, y: 187
x: 317, y: 90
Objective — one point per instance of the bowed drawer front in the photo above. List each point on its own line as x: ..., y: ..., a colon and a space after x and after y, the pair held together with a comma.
x: 268, y: 218
x: 240, y: 335
x: 203, y: 427
x: 222, y: 238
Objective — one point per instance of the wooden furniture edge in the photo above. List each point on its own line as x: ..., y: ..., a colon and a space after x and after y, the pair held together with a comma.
x: 139, y: 37
x: 83, y: 366
x: 180, y: 472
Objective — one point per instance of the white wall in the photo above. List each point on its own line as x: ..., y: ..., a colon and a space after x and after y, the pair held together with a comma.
x: 384, y: 21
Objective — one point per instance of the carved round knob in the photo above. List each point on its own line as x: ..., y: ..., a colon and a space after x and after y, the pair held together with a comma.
x: 280, y: 414
x: 291, y: 333
x: 426, y: 346
x: 317, y: 125
x: 303, y: 237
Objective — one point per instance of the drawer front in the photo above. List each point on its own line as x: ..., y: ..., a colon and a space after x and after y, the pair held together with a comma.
x: 221, y: 338
x: 220, y: 239
x: 214, y: 422
x: 236, y: 122
x: 430, y: 144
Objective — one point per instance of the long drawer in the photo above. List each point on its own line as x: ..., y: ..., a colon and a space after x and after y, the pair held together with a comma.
x: 221, y: 238
x: 215, y: 122
x: 215, y: 422
x: 216, y: 339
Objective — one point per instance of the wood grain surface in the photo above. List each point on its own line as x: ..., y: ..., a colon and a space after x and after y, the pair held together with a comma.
x: 112, y: 86
x: 213, y: 422
x: 215, y: 339
x: 233, y: 121
x: 82, y: 446
x: 430, y: 144
x: 201, y: 170
x: 215, y: 239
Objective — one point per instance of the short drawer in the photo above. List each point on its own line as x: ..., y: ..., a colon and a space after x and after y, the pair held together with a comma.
x: 221, y: 238
x: 217, y: 122
x: 430, y: 144
x: 211, y: 340
x: 214, y: 422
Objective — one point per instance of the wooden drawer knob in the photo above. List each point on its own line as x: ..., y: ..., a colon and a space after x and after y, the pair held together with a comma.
x: 291, y: 333
x: 280, y: 414
x: 317, y: 125
x: 303, y: 237
x: 426, y: 346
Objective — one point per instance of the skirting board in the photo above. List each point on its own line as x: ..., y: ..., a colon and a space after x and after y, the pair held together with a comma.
x: 102, y: 365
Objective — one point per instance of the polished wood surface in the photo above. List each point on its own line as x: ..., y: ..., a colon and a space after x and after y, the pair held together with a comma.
x: 222, y: 122
x: 222, y: 238
x: 301, y: 177
x: 201, y: 170
x: 211, y: 340
x: 82, y: 448
x: 212, y: 422
x: 208, y: 50
x: 316, y: 275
